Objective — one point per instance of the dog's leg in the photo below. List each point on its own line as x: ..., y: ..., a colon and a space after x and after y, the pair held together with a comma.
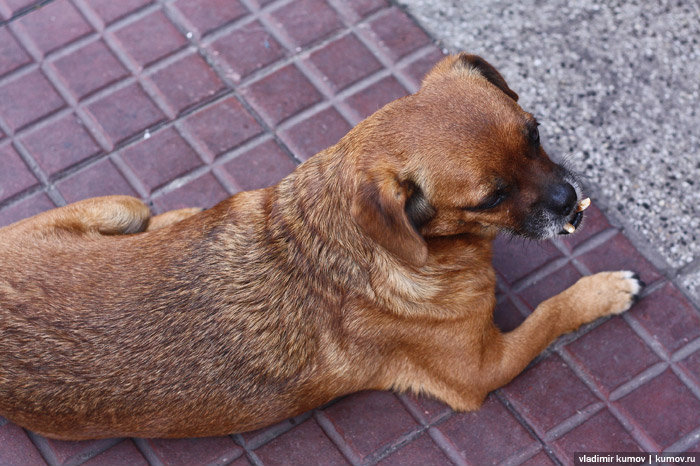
x: 500, y: 357
x: 591, y: 297
x: 109, y: 215
x: 171, y: 217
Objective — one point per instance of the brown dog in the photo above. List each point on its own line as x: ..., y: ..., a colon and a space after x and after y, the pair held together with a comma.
x: 369, y: 267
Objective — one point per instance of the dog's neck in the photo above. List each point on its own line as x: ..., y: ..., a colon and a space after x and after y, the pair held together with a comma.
x: 309, y: 214
x: 313, y: 197
x: 312, y: 201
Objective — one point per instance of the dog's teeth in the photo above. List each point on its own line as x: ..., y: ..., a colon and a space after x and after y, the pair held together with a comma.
x: 569, y: 228
x: 583, y: 205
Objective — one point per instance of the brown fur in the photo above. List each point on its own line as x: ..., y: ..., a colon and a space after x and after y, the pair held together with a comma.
x: 369, y: 267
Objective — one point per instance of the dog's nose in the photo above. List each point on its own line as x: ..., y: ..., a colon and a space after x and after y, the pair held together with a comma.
x: 562, y: 198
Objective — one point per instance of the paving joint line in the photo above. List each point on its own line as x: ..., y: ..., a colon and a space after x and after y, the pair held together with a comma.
x: 64, y: 50
x: 183, y: 24
x: 11, y: 132
x: 639, y: 380
x: 20, y: 72
x: 686, y: 443
x: 26, y: 41
x: 568, y: 338
x: 93, y: 18
x: 274, y: 431
x: 51, y: 117
x: 24, y: 11
x: 686, y: 351
x: 573, y: 421
x: 362, y: 32
x: 200, y: 170
x: 96, y: 448
x: 332, y: 433
x: 415, y: 411
x: 22, y: 195
x: 525, y: 424
x: 297, y: 59
x: 101, y: 25
x: 177, y: 183
x: 78, y: 166
x: 128, y: 174
x: 147, y: 452
x: 410, y: 82
x: 687, y: 381
x: 235, y: 92
x: 636, y: 433
x: 517, y: 301
x: 206, y: 155
x: 594, y: 241
x: 446, y: 446
x: 248, y: 452
x: 39, y: 174
x: 646, y: 337
x: 524, y: 454
x: 102, y: 32
x: 414, y: 20
x: 395, y: 445
x: 338, y: 99
x: 90, y: 124
x: 540, y: 273
x: 671, y: 359
x: 228, y: 185
x: 41, y: 446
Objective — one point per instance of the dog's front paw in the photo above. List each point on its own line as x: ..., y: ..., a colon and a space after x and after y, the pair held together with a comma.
x: 612, y: 292
x: 625, y: 288
x: 595, y: 296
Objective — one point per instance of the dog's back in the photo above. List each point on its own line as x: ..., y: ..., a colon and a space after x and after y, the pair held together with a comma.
x: 186, y: 330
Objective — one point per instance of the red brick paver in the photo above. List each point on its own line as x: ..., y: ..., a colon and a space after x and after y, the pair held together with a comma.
x: 185, y: 102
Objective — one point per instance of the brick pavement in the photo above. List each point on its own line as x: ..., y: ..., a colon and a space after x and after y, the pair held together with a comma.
x: 185, y: 102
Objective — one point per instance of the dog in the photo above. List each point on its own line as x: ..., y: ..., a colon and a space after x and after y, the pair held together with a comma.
x: 368, y: 267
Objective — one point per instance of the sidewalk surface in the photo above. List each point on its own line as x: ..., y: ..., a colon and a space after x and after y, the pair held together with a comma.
x: 186, y: 102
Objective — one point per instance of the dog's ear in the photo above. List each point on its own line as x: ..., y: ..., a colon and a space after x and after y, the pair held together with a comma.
x: 475, y: 62
x: 389, y: 211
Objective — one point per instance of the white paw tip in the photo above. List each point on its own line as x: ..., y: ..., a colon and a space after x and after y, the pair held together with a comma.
x: 636, y: 283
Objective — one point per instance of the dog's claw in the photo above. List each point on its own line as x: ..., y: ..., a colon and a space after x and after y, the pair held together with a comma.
x: 569, y: 228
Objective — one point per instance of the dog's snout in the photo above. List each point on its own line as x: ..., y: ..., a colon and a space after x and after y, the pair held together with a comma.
x: 562, y: 198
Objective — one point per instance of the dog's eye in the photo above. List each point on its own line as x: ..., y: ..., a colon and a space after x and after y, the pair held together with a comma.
x: 492, y: 201
x: 534, y: 134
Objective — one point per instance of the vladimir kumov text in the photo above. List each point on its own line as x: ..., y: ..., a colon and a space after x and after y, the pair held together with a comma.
x: 581, y: 458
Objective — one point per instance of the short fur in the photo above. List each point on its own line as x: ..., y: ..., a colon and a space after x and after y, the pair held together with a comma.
x: 368, y: 267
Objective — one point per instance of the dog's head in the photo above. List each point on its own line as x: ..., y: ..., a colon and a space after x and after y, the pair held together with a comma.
x: 459, y: 156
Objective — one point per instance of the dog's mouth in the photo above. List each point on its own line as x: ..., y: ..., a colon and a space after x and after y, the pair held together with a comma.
x: 575, y: 221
